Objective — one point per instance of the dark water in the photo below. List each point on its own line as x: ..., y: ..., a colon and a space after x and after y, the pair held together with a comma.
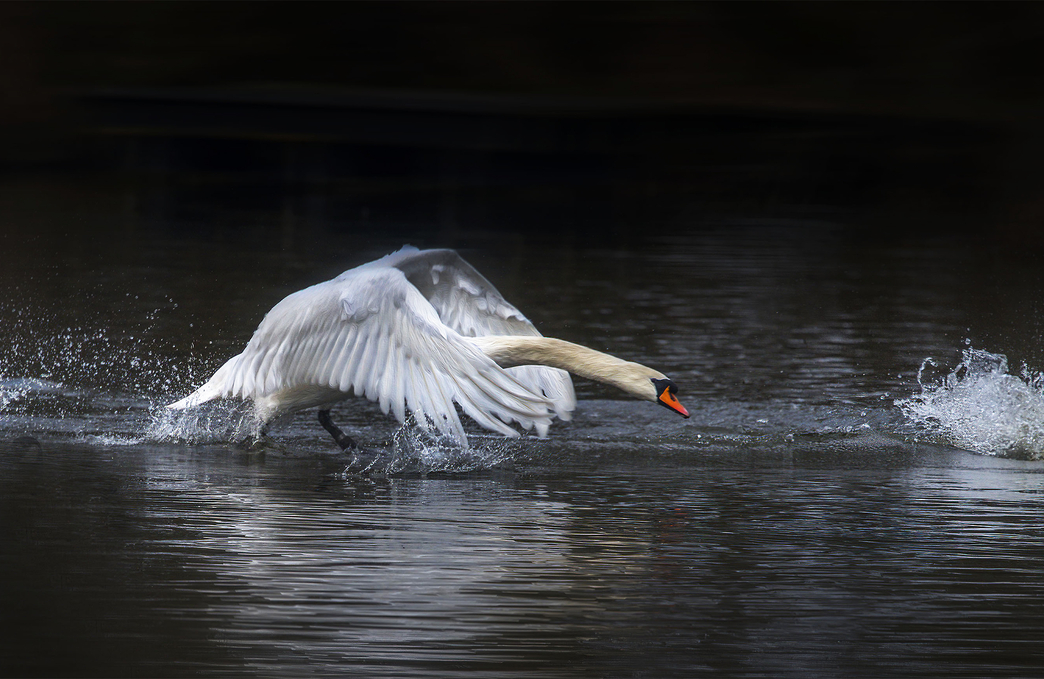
x: 821, y: 514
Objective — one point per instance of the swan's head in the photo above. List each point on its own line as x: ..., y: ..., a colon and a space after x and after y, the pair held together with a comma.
x: 645, y: 383
x: 666, y: 395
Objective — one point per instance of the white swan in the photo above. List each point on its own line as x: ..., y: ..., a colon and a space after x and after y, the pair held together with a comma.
x: 417, y: 331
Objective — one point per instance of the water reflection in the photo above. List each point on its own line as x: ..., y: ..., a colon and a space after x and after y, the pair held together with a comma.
x: 273, y: 565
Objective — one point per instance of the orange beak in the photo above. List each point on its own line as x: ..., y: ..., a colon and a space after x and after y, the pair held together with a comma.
x: 671, y: 401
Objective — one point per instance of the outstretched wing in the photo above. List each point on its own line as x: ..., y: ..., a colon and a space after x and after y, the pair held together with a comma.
x: 469, y: 304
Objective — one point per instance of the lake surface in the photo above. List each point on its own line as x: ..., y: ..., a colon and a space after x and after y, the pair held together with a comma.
x: 837, y: 505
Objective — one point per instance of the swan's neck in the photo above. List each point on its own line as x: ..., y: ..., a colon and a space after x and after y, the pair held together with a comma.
x: 511, y: 350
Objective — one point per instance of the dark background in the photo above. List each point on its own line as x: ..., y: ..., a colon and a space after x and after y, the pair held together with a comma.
x: 592, y: 122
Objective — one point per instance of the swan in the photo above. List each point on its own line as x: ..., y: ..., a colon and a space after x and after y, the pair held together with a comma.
x: 417, y: 331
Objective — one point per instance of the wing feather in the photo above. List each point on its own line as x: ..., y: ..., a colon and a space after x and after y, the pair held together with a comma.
x: 398, y: 388
x: 238, y: 378
x: 351, y: 362
x: 300, y: 351
x: 420, y: 403
x: 379, y: 368
x: 338, y: 344
x: 270, y: 367
x: 365, y: 361
x: 387, y: 374
x: 331, y: 335
x: 432, y: 400
x: 343, y: 357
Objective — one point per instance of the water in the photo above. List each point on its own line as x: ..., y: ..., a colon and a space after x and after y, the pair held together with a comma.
x: 835, y: 506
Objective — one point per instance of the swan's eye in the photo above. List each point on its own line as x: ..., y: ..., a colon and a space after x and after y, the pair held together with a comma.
x: 664, y: 386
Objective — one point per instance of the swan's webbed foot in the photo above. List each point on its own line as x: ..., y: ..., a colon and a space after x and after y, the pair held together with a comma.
x: 344, y: 440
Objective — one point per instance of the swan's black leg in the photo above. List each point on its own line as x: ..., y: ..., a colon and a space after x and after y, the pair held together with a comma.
x: 344, y: 440
x: 362, y: 461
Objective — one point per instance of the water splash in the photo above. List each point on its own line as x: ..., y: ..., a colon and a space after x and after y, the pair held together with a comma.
x: 221, y: 421
x: 981, y: 407
x: 414, y: 450
x: 15, y: 391
x: 92, y: 352
x: 67, y: 374
x: 411, y: 450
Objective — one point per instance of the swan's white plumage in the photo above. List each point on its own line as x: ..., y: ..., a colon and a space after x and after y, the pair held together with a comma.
x: 397, y: 330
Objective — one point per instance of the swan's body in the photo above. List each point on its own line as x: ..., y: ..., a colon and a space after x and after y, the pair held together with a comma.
x: 417, y: 331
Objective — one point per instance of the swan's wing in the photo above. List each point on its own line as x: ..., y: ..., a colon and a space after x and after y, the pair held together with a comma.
x: 373, y: 332
x: 551, y: 383
x: 462, y: 297
x: 469, y: 304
